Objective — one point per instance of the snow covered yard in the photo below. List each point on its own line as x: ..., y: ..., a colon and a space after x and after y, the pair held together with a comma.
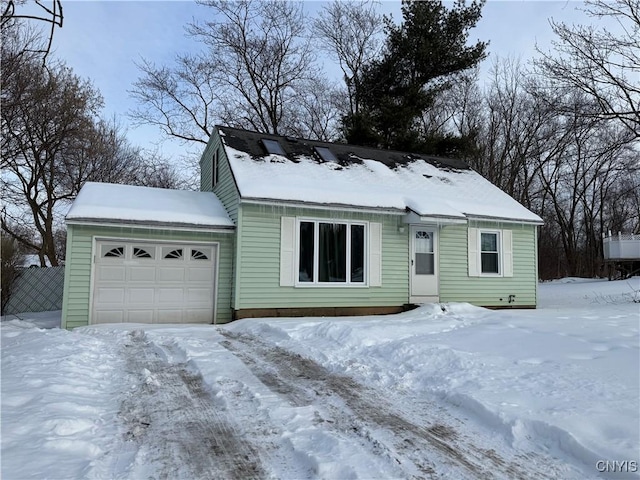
x: 444, y: 391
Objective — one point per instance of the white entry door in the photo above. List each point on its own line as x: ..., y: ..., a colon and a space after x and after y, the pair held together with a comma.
x: 424, y: 264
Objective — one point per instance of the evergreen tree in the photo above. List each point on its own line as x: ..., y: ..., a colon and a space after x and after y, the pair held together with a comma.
x: 421, y: 56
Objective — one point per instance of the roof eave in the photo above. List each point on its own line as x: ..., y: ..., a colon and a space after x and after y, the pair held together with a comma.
x: 485, y: 218
x: 414, y: 217
x: 150, y: 224
x: 323, y: 206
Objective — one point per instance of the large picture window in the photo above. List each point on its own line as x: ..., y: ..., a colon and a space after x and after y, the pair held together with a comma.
x: 331, y: 252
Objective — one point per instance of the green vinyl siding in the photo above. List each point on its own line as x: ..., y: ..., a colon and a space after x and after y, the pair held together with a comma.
x: 206, y: 163
x: 258, y: 260
x: 225, y: 188
x: 77, y: 284
x: 457, y: 286
x: 77, y: 280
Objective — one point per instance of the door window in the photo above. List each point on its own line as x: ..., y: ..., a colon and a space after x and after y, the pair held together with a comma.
x: 425, y: 261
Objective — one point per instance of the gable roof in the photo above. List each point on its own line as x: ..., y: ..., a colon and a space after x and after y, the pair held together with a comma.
x: 111, y: 203
x: 364, y: 178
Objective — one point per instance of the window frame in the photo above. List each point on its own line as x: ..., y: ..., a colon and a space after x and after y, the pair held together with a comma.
x: 499, y: 252
x: 273, y: 147
x: 326, y: 154
x: 215, y: 170
x: 315, y: 283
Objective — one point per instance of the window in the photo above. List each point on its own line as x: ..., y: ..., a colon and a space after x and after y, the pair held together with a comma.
x: 273, y: 147
x: 489, y: 252
x: 306, y: 264
x: 171, y: 253
x: 331, y: 252
x: 139, y: 252
x: 326, y: 154
x: 425, y: 256
x: 198, y: 255
x: 215, y: 171
x: 111, y: 252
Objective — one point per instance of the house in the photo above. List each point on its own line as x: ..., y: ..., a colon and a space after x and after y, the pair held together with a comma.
x: 298, y: 227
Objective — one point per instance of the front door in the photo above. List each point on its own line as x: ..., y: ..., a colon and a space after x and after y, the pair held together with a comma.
x: 424, y: 264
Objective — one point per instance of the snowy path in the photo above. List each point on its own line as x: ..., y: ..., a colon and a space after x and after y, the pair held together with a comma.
x: 430, y: 445
x: 259, y: 417
x: 200, y: 440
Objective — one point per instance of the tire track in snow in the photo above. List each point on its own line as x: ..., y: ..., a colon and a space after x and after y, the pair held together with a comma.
x: 179, y: 429
x: 353, y: 408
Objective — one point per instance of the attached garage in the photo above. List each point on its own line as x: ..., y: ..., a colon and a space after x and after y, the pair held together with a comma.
x: 147, y: 255
x: 144, y: 282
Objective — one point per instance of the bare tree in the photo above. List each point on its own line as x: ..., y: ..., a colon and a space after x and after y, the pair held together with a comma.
x: 258, y: 65
x: 580, y: 172
x: 593, y: 159
x: 52, y: 143
x: 317, y: 113
x: 350, y: 32
x: 184, y: 101
x: 11, y: 259
x: 602, y: 62
x: 48, y: 111
x: 14, y: 12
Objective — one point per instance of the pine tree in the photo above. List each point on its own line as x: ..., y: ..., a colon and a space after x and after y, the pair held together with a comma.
x: 421, y: 56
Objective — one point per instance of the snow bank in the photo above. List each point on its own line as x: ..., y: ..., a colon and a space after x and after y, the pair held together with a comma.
x: 561, y: 381
x: 59, y: 392
x: 563, y: 378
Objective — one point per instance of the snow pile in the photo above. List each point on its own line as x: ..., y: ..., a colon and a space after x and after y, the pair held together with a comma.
x: 560, y: 384
x: 564, y: 377
x: 59, y: 400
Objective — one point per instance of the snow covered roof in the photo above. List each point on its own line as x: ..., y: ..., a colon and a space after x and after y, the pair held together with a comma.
x: 105, y: 202
x: 365, y: 178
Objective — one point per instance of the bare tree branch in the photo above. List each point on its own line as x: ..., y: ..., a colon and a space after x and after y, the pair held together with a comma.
x: 604, y: 63
x: 52, y: 15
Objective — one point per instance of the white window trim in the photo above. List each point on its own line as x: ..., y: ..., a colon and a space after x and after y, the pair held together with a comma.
x: 316, y: 235
x: 500, y: 252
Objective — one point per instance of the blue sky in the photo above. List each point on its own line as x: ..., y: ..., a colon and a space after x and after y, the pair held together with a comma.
x: 101, y: 40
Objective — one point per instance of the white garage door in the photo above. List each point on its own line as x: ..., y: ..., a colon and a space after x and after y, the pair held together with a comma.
x: 153, y: 283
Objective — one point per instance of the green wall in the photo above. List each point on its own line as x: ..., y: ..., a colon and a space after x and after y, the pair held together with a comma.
x: 457, y: 286
x: 77, y: 282
x: 258, y: 284
x: 225, y: 188
x: 258, y: 260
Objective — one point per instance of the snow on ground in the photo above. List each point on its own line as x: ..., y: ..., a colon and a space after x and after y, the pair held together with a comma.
x: 444, y: 391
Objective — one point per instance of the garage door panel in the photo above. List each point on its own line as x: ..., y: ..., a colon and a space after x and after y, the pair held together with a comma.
x: 142, y: 274
x: 141, y: 295
x: 140, y: 316
x: 170, y: 296
x: 171, y: 274
x: 199, y: 295
x: 140, y: 282
x: 109, y: 316
x: 106, y: 295
x: 195, y: 315
x: 195, y: 274
x: 170, y: 316
x: 112, y: 273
